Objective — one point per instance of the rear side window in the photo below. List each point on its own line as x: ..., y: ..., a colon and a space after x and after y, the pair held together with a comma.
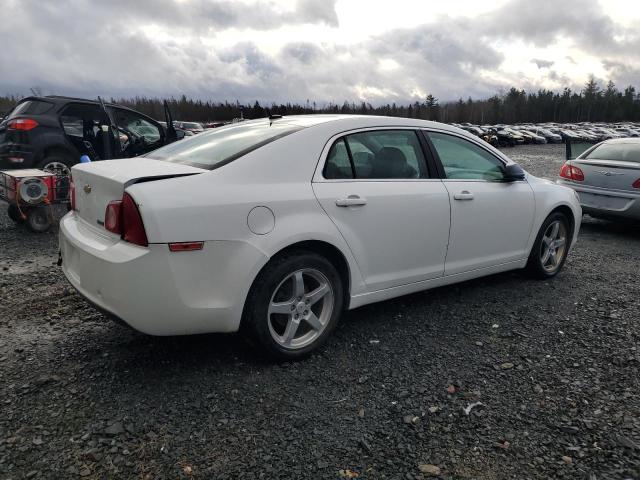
x: 380, y: 154
x: 31, y: 107
x: 214, y: 148
x: 622, y: 152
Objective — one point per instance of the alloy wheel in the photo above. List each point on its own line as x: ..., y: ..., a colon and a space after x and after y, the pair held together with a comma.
x: 300, y: 308
x: 553, y: 246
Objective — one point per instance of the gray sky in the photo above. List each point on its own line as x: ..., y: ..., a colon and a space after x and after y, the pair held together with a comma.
x: 323, y: 50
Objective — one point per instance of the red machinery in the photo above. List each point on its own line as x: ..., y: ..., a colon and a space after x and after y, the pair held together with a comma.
x: 30, y: 194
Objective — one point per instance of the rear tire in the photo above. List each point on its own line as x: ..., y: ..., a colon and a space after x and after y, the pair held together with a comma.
x: 551, y: 247
x: 14, y: 214
x: 294, y: 305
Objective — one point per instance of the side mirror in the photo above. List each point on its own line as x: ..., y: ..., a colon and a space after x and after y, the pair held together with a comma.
x: 513, y: 173
x: 179, y: 134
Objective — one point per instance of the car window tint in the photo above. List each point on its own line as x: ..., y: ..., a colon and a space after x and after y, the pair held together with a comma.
x: 462, y: 159
x: 338, y: 165
x: 82, y: 120
x: 625, y: 152
x: 31, y: 107
x: 384, y: 154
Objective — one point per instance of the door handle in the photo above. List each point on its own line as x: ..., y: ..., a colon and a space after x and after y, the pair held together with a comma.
x: 464, y: 195
x: 351, y: 201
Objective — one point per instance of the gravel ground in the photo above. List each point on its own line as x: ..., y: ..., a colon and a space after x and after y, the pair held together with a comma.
x: 555, y: 365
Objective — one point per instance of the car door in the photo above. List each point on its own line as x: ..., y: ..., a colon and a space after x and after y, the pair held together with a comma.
x: 375, y: 186
x: 491, y: 219
x: 138, y: 134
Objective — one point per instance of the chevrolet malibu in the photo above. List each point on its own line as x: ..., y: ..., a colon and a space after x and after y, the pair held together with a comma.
x: 274, y: 227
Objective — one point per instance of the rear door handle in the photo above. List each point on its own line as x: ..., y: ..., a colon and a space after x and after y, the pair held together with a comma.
x: 351, y: 201
x: 464, y: 195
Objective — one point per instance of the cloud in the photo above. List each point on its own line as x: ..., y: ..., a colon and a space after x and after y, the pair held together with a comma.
x: 542, y: 63
x: 171, y: 47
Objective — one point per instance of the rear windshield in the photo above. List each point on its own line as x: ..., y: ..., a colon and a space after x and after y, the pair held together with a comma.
x: 31, y: 107
x: 215, y: 148
x: 624, y: 152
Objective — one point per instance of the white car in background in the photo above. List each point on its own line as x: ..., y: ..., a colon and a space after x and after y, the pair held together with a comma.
x: 275, y: 226
x: 607, y: 179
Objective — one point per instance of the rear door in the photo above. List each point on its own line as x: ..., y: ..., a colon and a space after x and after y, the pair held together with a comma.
x: 376, y: 187
x: 491, y: 220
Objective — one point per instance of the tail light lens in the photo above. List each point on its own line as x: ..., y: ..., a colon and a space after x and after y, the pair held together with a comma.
x: 123, y: 217
x: 572, y: 173
x: 132, y: 226
x: 24, y: 124
x: 113, y: 217
x: 636, y: 184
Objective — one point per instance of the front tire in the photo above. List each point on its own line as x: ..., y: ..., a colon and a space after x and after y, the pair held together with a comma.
x: 294, y: 305
x: 551, y: 247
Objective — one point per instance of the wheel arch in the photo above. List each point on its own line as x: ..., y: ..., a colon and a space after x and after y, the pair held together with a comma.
x: 60, y: 150
x: 567, y: 212
x: 326, y: 249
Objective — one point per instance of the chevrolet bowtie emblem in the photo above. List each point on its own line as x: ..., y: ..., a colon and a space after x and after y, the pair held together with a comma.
x: 87, y: 188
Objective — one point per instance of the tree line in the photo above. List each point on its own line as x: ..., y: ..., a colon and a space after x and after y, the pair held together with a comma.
x: 592, y: 104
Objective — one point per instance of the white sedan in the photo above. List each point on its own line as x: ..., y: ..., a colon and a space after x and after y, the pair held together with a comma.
x: 275, y: 226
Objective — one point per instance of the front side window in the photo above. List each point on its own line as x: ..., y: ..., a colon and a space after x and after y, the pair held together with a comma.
x: 464, y: 160
x: 380, y: 154
x: 137, y: 127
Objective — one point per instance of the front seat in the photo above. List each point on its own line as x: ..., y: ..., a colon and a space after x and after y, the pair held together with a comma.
x: 390, y: 162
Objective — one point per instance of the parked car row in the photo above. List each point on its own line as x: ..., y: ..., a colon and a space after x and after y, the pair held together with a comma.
x: 511, y: 135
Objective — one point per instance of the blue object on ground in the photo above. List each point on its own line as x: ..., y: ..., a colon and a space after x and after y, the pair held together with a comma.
x: 85, y: 159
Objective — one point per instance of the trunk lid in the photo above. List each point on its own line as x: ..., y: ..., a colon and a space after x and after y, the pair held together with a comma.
x: 98, y: 183
x: 609, y: 174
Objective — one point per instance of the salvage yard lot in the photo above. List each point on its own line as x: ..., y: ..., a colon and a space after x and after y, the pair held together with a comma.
x: 555, y: 364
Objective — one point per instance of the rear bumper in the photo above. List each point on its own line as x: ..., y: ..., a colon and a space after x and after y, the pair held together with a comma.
x: 155, y: 291
x: 14, y: 155
x: 607, y: 203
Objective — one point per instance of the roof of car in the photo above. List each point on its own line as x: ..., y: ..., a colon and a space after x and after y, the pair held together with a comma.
x: 61, y: 100
x: 633, y: 140
x: 360, y: 121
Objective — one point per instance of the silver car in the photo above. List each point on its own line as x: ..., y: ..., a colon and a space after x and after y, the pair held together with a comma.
x: 607, y: 178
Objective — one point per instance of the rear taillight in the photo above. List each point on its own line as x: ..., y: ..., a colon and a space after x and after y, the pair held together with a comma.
x: 24, y: 124
x: 72, y: 193
x: 636, y: 184
x: 123, y: 218
x: 132, y: 226
x: 572, y: 173
x: 113, y: 217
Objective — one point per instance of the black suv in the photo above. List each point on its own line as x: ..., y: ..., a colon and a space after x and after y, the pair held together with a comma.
x: 52, y: 133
